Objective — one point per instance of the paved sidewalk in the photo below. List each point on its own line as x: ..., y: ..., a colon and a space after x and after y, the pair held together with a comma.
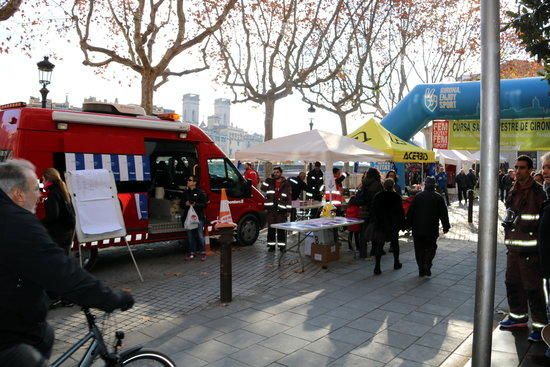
x: 342, y: 316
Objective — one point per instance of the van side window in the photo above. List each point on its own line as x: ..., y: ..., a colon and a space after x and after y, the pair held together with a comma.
x: 4, y: 155
x: 223, y: 174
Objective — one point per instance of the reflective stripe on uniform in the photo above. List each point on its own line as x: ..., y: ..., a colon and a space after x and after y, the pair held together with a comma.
x: 522, y: 243
x: 309, y: 194
x: 517, y: 316
x: 529, y: 217
x: 293, y: 181
x: 270, y: 192
x: 281, y: 244
x: 289, y: 206
x: 265, y: 184
x: 282, y: 206
x: 321, y: 188
x: 268, y: 204
x: 283, y: 195
x: 335, y: 192
x: 538, y: 325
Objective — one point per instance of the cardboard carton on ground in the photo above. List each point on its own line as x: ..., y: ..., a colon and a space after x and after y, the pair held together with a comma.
x: 325, y: 253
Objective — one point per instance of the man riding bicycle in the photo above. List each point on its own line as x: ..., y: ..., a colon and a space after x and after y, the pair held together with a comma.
x: 30, y: 264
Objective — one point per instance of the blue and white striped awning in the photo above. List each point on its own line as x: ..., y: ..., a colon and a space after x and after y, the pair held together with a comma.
x: 125, y: 167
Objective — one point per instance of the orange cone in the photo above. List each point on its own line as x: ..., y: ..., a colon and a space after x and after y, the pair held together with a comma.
x: 225, y: 220
x: 207, y: 248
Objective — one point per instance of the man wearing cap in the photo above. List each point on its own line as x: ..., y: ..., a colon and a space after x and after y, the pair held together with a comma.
x: 426, y: 210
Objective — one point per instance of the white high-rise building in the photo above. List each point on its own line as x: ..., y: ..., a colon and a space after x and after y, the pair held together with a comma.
x: 222, y: 109
x: 190, y: 108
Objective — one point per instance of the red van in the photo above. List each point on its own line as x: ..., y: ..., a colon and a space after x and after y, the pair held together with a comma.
x: 150, y: 158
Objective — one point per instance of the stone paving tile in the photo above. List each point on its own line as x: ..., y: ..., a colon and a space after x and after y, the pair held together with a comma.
x: 226, y: 324
x: 305, y: 358
x: 421, y: 354
x: 307, y: 332
x: 186, y: 359
x: 352, y: 360
x: 376, y: 351
x: 350, y: 335
x: 211, y: 351
x: 423, y: 318
x: 400, y: 362
x: 348, y: 313
x: 266, y: 328
x: 398, y: 307
x: 289, y: 318
x: 445, y: 343
x: 199, y: 334
x: 309, y: 310
x: 256, y: 355
x: 411, y: 328
x: 395, y: 339
x: 327, y: 321
x: 284, y: 343
x: 227, y: 362
x: 240, y: 338
x: 370, y: 325
x: 329, y: 347
x: 251, y: 315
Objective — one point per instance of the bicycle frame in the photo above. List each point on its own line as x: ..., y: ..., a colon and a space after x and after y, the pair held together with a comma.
x: 97, y: 347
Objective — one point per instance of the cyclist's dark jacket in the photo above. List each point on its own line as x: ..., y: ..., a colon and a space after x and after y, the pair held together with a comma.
x: 30, y: 264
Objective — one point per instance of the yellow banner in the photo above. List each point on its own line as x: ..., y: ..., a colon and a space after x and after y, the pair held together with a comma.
x: 525, y: 134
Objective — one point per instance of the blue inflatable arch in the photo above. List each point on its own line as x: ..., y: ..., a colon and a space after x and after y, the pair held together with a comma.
x: 519, y: 98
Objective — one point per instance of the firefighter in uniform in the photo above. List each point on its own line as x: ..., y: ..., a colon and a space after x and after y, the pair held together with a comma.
x: 278, y: 205
x: 524, y: 284
x: 315, y: 186
x: 298, y: 186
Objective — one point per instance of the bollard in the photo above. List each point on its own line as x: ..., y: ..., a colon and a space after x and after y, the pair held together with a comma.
x: 470, y: 206
x: 226, y: 239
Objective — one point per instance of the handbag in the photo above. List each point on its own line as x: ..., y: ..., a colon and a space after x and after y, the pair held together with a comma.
x: 192, y: 220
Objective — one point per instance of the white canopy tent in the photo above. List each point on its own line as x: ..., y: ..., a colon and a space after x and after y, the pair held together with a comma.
x: 456, y: 157
x: 314, y: 145
x: 477, y: 157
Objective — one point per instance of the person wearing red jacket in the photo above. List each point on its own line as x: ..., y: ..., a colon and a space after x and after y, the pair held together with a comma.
x: 353, y: 211
x: 251, y: 174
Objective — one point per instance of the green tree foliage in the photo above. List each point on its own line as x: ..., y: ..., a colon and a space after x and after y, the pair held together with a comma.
x: 532, y: 25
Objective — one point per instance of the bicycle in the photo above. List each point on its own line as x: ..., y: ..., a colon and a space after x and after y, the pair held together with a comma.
x: 133, y: 357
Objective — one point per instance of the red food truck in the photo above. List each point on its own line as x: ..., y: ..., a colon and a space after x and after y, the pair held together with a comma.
x: 150, y: 157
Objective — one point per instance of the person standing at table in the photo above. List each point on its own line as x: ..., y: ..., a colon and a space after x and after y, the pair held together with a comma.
x: 298, y: 186
x: 424, y: 214
x: 370, y: 186
x: 277, y: 204
x: 393, y: 175
x: 315, y: 186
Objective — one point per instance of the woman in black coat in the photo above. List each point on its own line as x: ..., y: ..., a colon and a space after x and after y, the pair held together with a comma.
x: 196, y: 198
x: 370, y: 186
x: 60, y: 216
x: 388, y: 217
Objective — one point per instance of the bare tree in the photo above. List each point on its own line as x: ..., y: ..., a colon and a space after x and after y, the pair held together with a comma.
x: 349, y: 90
x: 274, y: 46
x: 146, y: 36
x: 8, y: 8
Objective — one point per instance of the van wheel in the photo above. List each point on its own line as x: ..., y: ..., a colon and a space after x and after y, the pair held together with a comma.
x: 248, y: 230
x: 89, y: 257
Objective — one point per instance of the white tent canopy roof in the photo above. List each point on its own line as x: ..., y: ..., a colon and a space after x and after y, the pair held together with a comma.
x: 453, y: 156
x: 315, y: 145
x: 477, y: 157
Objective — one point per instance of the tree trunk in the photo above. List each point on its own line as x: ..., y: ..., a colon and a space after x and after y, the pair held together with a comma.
x: 268, y: 126
x: 343, y: 123
x: 147, y: 85
x: 268, y: 120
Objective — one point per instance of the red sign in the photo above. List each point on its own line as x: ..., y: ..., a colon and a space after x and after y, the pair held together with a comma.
x: 440, y: 135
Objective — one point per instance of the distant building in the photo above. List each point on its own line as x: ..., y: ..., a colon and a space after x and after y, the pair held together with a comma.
x: 190, y: 108
x: 218, y: 126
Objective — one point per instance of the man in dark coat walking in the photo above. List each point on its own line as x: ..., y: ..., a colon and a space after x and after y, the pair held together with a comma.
x: 32, y: 263
x: 389, y: 217
x: 427, y: 209
x: 462, y: 185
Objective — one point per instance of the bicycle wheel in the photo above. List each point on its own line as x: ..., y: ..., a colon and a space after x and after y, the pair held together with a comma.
x: 147, y: 358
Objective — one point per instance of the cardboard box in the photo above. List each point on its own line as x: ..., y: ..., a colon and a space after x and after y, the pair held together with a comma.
x: 325, y: 253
